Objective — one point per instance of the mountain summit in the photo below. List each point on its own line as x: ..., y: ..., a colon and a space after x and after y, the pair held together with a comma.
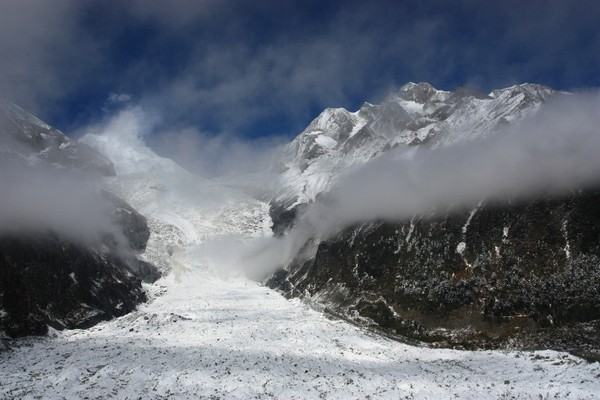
x: 417, y: 114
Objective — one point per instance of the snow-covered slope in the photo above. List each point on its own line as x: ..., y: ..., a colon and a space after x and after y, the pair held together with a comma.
x: 417, y: 114
x: 183, y: 209
x: 209, y: 336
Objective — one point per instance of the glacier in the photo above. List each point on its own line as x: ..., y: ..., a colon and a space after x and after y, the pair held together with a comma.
x: 210, y: 332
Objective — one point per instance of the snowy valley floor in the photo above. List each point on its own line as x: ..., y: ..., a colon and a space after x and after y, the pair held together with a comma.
x: 204, y: 337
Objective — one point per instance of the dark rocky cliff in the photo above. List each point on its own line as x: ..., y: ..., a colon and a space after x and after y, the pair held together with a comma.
x: 48, y: 277
x: 517, y: 274
x: 49, y: 280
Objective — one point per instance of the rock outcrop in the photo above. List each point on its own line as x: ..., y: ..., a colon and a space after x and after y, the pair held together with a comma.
x: 524, y: 274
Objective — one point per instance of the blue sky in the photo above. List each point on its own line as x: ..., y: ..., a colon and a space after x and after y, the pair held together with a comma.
x: 264, y: 68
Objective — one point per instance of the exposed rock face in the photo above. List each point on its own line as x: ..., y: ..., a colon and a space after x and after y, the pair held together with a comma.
x: 519, y: 274
x: 282, y: 217
x: 132, y: 224
x: 134, y: 228
x: 46, y: 281
x: 49, y: 278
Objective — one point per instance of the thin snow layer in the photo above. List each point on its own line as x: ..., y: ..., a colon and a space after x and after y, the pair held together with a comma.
x: 214, y: 338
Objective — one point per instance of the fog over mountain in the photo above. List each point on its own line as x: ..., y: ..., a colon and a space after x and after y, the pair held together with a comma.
x: 300, y: 200
x: 549, y: 153
x: 422, y: 152
x: 548, y: 150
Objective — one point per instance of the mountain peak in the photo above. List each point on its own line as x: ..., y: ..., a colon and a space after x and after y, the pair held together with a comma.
x: 414, y: 115
x: 412, y: 85
x: 331, y: 118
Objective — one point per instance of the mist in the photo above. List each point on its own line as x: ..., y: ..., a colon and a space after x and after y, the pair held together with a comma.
x: 550, y: 153
x: 42, y: 199
x: 40, y: 195
x: 217, y: 155
x: 132, y: 136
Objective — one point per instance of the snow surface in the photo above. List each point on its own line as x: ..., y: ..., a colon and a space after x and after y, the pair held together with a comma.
x: 210, y: 337
x: 210, y: 333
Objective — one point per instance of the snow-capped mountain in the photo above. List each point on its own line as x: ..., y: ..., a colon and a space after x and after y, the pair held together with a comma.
x: 416, y: 114
x: 489, y: 273
x: 208, y: 337
x: 204, y: 336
